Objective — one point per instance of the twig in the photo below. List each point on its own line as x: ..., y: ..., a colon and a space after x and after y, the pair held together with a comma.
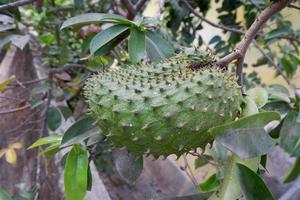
x: 202, y: 157
x: 288, y: 37
x: 139, y: 5
x: 220, y: 26
x: 239, y: 70
x: 15, y: 4
x: 242, y: 47
x: 293, y: 5
x: 133, y: 8
x: 191, y: 174
x: 270, y: 60
x: 14, y: 110
x: 130, y: 7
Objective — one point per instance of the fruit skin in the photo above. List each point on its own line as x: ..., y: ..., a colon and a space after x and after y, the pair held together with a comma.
x: 163, y: 108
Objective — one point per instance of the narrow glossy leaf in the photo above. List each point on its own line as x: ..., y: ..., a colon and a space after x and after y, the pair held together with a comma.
x: 210, y: 184
x: 293, y: 173
x: 90, y: 18
x: 106, y: 36
x: 112, y: 44
x: 4, y: 195
x: 51, y: 150
x: 247, y: 137
x: 128, y: 166
x: 229, y: 188
x: 75, y: 173
x: 289, y: 134
x: 46, y: 140
x: 196, y: 196
x: 80, y: 131
x: 136, y: 45
x: 54, y: 118
x: 252, y: 185
x: 157, y: 47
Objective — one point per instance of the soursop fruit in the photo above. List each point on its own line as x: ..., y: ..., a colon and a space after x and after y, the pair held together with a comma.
x: 163, y: 108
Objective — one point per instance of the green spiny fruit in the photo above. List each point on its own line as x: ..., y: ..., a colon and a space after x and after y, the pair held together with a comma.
x: 163, y: 108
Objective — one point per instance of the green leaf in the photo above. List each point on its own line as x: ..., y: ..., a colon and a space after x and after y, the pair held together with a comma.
x: 4, y: 195
x: 247, y: 137
x: 215, y: 39
x: 54, y: 118
x: 259, y: 95
x: 293, y: 173
x: 289, y: 138
x: 230, y: 188
x: 90, y: 18
x: 51, y: 150
x: 196, y: 196
x: 106, y: 36
x: 136, y: 45
x: 211, y: 184
x: 128, y: 166
x: 288, y: 66
x: 112, y: 44
x: 157, y: 47
x: 199, y: 162
x: 66, y: 111
x: 275, y: 33
x: 75, y: 173
x: 46, y: 140
x: 252, y: 185
x: 279, y: 93
x: 79, y: 131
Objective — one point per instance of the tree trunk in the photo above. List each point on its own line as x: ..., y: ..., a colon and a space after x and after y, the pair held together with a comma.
x: 24, y: 126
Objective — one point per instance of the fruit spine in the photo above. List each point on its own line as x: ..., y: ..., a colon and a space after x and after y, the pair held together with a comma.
x: 163, y: 108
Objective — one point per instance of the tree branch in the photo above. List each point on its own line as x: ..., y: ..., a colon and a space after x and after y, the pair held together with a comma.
x: 15, y: 4
x: 130, y: 8
x: 139, y: 5
x: 260, y: 21
x: 293, y: 5
x: 220, y: 26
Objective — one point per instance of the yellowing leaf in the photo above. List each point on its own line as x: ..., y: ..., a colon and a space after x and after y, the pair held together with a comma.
x: 16, y: 145
x: 5, y: 83
x: 11, y: 156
